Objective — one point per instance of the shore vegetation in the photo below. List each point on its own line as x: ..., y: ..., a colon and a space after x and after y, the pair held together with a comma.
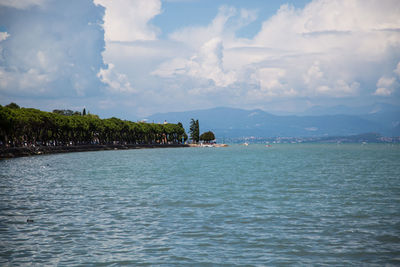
x: 207, y: 137
x: 21, y: 127
x: 194, y: 131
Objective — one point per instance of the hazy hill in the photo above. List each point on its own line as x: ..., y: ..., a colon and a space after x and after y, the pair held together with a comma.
x: 232, y: 123
x: 346, y: 110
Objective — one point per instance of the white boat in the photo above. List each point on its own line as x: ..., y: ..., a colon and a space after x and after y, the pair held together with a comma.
x: 206, y: 145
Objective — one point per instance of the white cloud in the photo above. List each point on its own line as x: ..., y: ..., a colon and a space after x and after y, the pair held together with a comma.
x: 385, y: 86
x: 381, y: 91
x: 397, y: 70
x: 31, y: 82
x: 118, y: 83
x: 57, y: 55
x: 336, y: 50
x: 196, y: 37
x: 22, y: 4
x: 128, y: 21
x: 343, y: 88
x: 169, y: 69
x: 207, y: 58
x: 328, y: 49
x: 125, y: 24
x: 323, y: 89
x: 322, y: 50
x: 270, y: 83
x: 4, y: 36
x: 207, y: 63
x: 313, y: 74
x: 271, y: 80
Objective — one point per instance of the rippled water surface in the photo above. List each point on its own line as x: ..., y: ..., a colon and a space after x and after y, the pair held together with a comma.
x: 288, y: 204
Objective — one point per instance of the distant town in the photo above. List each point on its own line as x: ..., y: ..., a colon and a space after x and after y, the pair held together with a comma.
x: 360, y: 138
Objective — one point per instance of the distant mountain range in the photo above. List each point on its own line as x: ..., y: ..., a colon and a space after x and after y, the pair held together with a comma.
x: 236, y: 123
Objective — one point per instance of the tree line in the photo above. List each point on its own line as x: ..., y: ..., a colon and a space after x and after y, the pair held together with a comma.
x: 194, y: 132
x: 28, y: 126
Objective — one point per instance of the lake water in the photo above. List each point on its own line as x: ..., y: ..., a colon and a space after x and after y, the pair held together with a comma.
x: 254, y: 206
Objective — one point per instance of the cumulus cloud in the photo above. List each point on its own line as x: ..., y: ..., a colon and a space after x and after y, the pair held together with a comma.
x: 207, y: 45
x: 272, y: 83
x: 118, y: 83
x: 128, y: 21
x: 340, y: 49
x: 4, y: 35
x: 340, y: 36
x: 207, y: 64
x: 171, y: 68
x: 313, y: 74
x: 32, y: 80
x: 382, y: 91
x: 327, y: 49
x: 385, y: 86
x: 226, y: 22
x: 51, y: 56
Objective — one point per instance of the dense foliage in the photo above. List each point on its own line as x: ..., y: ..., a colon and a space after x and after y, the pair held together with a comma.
x: 207, y: 136
x: 194, y: 131
x: 28, y: 126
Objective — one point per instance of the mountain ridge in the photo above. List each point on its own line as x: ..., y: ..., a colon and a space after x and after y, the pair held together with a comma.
x: 234, y: 122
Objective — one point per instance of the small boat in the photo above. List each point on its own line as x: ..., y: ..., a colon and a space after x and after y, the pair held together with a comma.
x: 268, y: 146
x: 206, y: 145
x: 245, y: 144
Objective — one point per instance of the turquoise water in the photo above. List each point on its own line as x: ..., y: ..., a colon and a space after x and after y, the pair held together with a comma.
x: 254, y: 206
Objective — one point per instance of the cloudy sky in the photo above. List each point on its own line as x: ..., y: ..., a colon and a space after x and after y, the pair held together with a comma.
x: 133, y: 58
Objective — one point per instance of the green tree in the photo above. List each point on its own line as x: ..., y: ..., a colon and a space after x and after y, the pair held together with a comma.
x: 194, y: 131
x: 197, y: 133
x: 28, y: 126
x: 65, y: 112
x: 207, y: 136
x: 84, y: 112
x: 12, y: 105
x: 182, y: 136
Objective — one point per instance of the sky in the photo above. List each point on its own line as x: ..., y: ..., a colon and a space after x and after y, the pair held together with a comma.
x: 134, y: 58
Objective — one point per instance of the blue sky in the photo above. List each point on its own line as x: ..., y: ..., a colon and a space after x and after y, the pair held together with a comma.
x: 133, y: 58
x: 176, y: 14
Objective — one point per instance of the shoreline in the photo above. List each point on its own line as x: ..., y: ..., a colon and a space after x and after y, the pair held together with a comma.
x: 208, y: 145
x: 16, y: 152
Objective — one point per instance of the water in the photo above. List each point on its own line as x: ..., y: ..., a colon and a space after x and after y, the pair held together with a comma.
x: 253, y: 206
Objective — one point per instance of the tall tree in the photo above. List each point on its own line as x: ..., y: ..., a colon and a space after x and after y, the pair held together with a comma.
x: 197, y: 135
x: 194, y: 131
